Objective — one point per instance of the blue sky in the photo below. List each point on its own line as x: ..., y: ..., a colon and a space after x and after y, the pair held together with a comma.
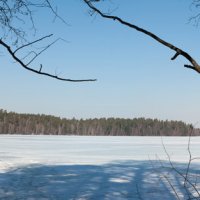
x: 136, y: 77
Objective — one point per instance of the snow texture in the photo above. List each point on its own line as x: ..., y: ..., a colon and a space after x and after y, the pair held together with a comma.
x: 95, y: 168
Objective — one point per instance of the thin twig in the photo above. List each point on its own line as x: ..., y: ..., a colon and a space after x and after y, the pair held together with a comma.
x: 56, y: 13
x: 178, y: 172
x: 166, y: 178
x: 44, y: 49
x: 190, y: 159
x: 38, y: 40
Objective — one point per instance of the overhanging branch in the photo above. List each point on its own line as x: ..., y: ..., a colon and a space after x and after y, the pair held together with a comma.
x: 194, y: 65
x: 24, y: 65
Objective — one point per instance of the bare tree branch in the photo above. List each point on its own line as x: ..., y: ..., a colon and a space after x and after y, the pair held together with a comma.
x: 185, y: 177
x: 190, y: 158
x: 18, y: 60
x: 56, y: 13
x: 44, y: 49
x: 38, y: 40
x: 161, y: 175
x: 194, y: 65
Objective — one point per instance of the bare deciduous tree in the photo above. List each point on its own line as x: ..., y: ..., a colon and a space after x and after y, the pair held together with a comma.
x: 15, y: 14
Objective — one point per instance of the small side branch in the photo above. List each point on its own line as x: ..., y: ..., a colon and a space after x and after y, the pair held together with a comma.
x: 44, y: 49
x: 175, y: 56
x: 193, y: 68
x: 40, y: 68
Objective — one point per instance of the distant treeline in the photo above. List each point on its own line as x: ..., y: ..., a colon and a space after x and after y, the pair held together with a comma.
x: 13, y: 123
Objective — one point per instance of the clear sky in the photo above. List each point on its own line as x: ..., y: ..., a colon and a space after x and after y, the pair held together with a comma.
x: 136, y: 77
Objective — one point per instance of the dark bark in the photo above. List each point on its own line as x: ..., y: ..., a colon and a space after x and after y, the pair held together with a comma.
x: 193, y: 64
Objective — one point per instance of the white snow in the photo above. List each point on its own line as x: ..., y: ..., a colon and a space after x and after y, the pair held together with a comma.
x: 96, y: 168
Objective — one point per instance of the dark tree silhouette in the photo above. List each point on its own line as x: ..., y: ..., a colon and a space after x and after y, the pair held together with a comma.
x: 14, y: 123
x: 15, y: 14
x: 178, y: 51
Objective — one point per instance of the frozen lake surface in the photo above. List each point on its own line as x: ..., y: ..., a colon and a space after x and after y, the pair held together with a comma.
x: 89, y: 167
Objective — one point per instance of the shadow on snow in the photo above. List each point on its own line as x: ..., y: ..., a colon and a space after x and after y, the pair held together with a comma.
x: 116, y: 180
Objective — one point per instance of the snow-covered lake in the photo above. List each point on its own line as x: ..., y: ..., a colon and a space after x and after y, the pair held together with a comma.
x: 96, y: 168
